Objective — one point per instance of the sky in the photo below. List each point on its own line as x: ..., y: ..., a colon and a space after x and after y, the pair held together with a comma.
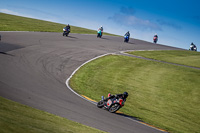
x: 176, y: 22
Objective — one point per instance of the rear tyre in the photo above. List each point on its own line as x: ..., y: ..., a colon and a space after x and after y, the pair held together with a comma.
x: 114, y: 107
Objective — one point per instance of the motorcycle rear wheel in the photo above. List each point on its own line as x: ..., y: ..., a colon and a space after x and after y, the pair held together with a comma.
x: 114, y: 107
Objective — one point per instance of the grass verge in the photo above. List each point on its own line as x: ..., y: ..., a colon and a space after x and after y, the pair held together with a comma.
x: 164, y: 95
x: 17, y: 23
x: 18, y: 118
x: 189, y: 58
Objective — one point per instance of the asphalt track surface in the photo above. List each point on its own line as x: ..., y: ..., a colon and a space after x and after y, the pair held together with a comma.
x: 34, y: 67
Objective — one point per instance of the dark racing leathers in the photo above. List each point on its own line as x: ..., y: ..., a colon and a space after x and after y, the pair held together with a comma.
x: 117, y: 96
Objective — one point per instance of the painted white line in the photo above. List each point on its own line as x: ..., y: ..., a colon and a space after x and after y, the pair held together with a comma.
x: 67, y: 81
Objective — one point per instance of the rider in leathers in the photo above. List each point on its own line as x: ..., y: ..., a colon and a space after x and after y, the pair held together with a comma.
x: 127, y: 34
x: 67, y: 27
x: 192, y: 46
x: 122, y: 96
x: 101, y: 29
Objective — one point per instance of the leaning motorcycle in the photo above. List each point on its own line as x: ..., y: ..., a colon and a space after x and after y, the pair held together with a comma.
x: 112, y: 105
x: 99, y: 33
x: 126, y: 38
x: 66, y: 32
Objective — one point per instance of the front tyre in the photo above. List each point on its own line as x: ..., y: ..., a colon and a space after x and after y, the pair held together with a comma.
x: 100, y: 104
x: 114, y: 107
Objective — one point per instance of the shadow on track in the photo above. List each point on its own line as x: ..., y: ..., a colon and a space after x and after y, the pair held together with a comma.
x: 72, y: 37
x: 130, y: 43
x: 130, y: 117
x: 6, y: 53
x: 105, y: 38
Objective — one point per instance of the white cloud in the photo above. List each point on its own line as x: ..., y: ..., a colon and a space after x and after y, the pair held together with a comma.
x: 134, y: 22
x: 32, y: 13
x: 9, y: 11
x: 16, y: 13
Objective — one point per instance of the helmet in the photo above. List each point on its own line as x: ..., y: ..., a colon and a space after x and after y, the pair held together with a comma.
x: 125, y: 94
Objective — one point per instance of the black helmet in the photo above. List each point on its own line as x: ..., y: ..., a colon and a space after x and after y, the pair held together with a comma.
x: 125, y: 94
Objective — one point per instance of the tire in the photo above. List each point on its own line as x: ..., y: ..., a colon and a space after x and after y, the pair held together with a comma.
x: 114, y: 107
x: 100, y: 104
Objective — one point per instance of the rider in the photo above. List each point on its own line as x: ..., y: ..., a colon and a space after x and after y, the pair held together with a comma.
x: 67, y: 27
x: 122, y: 96
x: 101, y: 29
x: 155, y: 38
x: 156, y: 35
x: 192, y: 46
x: 127, y: 34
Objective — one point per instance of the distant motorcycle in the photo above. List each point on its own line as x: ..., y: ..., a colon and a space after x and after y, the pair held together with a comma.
x: 66, y: 32
x: 112, y: 105
x: 193, y: 48
x: 99, y: 33
x: 126, y: 38
x: 155, y: 39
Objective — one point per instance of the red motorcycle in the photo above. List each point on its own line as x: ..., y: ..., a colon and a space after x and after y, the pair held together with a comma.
x: 112, y: 104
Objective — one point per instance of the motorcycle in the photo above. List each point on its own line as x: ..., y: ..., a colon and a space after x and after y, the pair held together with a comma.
x: 112, y: 105
x: 126, y: 38
x: 193, y: 48
x: 66, y: 32
x: 155, y: 39
x: 99, y: 33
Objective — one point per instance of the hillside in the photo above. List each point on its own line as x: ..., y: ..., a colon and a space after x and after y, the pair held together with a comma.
x: 17, y: 23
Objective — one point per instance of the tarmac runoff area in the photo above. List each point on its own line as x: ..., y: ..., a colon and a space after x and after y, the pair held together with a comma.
x: 35, y: 65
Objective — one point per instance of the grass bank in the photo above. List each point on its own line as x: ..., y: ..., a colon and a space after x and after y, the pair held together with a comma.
x: 18, y: 118
x: 17, y: 23
x: 189, y: 58
x: 163, y: 95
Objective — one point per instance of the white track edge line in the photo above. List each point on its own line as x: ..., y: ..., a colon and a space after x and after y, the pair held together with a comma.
x: 67, y: 81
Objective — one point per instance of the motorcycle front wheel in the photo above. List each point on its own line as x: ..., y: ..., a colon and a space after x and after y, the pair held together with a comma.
x: 100, y: 104
x: 114, y: 107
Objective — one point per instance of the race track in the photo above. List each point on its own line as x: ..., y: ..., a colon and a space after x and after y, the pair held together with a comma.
x: 35, y: 66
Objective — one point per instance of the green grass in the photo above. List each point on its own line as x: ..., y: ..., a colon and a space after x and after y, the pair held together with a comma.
x: 189, y: 58
x: 17, y: 23
x: 18, y: 118
x: 164, y: 95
